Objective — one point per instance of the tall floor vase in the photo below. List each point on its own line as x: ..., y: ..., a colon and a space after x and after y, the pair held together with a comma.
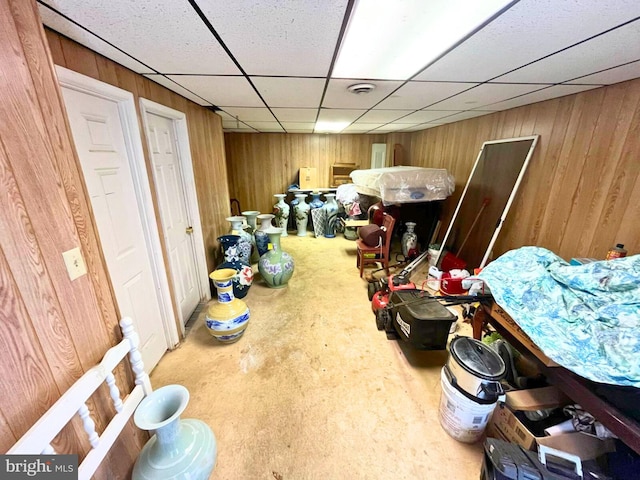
x: 245, y: 245
x: 250, y: 228
x: 244, y: 278
x: 260, y: 235
x: 276, y: 267
x: 179, y: 449
x: 314, y: 204
x: 331, y: 210
x: 281, y: 211
x: 301, y: 211
x: 226, y: 319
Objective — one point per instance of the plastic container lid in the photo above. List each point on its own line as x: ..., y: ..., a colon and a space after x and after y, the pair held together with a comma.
x: 477, y: 358
x: 421, y: 307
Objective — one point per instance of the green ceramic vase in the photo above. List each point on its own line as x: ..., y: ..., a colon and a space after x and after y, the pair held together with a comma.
x: 179, y: 449
x: 275, y: 266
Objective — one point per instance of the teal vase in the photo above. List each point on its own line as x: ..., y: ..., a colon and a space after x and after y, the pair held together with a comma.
x: 179, y: 449
x: 275, y: 266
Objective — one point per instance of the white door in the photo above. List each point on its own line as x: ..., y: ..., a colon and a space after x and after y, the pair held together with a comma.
x: 97, y: 128
x: 177, y: 227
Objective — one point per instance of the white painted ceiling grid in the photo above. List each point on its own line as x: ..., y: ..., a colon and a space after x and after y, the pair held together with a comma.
x: 266, y: 65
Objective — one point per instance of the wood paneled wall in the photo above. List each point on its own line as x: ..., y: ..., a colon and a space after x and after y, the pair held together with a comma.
x: 263, y: 164
x: 205, y: 132
x: 53, y: 329
x: 581, y: 192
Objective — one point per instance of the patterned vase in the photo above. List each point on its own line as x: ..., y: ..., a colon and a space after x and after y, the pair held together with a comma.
x: 226, y: 319
x: 281, y: 211
x: 301, y: 211
x: 244, y: 278
x: 276, y: 266
x: 251, y: 216
x: 410, y: 241
x: 178, y: 448
x: 319, y: 218
x: 260, y: 235
x: 246, y: 239
x: 331, y: 210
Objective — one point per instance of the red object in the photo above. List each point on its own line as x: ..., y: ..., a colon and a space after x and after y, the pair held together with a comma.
x: 451, y: 286
x: 381, y: 298
x: 451, y: 262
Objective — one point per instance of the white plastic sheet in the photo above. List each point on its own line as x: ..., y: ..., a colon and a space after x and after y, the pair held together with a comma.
x: 404, y: 184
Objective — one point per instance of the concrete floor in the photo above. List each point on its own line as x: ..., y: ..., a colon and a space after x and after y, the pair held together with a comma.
x: 313, y: 390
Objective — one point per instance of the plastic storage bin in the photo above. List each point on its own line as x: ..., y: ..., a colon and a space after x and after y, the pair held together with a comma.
x: 423, y: 322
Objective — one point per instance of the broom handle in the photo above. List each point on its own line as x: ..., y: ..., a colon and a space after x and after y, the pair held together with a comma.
x: 484, y: 204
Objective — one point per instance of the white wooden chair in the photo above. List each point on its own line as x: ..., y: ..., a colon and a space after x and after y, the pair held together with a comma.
x: 39, y: 437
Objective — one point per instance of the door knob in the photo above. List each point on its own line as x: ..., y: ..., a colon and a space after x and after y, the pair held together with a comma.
x: 189, y: 230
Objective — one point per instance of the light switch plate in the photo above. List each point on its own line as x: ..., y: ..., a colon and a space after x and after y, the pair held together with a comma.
x: 75, y: 263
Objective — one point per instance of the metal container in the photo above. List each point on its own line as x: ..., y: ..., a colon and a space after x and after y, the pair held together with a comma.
x: 475, y: 370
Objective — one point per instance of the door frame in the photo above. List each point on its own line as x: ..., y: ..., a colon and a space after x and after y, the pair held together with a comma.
x: 185, y: 163
x: 133, y: 141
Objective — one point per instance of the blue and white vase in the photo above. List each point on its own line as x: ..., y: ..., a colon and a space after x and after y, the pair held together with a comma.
x: 301, y: 212
x: 409, y: 242
x: 314, y: 204
x: 246, y: 239
x: 260, y: 235
x: 281, y: 211
x: 232, y: 259
x: 177, y: 448
x: 276, y: 267
x: 331, y: 211
x: 227, y: 319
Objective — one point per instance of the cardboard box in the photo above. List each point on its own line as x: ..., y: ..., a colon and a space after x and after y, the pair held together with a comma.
x: 509, y: 423
x: 308, y: 178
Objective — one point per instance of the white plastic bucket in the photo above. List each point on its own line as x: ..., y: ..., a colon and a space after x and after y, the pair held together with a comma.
x: 461, y: 417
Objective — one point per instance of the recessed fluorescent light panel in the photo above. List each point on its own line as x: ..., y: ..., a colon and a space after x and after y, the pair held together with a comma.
x: 330, y: 127
x: 394, y: 40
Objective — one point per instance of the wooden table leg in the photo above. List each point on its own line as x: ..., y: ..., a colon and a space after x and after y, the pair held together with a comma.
x: 479, y: 320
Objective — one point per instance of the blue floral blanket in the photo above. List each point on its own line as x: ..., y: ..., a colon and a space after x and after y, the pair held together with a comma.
x: 586, y: 317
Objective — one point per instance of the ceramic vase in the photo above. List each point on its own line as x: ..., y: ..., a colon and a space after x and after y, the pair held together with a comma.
x: 244, y: 278
x: 251, y: 216
x: 313, y: 204
x: 301, y: 211
x: 319, y: 219
x: 260, y: 235
x: 179, y: 449
x: 281, y: 212
x: 410, y: 241
x: 331, y: 211
x: 245, y: 244
x: 276, y: 266
x: 226, y: 319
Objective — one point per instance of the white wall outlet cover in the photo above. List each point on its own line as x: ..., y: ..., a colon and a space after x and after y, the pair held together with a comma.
x: 74, y: 263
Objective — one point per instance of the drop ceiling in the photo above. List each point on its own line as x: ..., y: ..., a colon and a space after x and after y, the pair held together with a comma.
x: 266, y: 65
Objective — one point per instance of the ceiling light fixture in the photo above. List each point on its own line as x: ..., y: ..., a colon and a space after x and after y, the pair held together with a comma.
x: 330, y: 127
x: 361, y: 88
x: 395, y: 40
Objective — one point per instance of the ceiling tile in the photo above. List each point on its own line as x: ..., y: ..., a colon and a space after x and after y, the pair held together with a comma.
x: 272, y: 37
x: 526, y: 32
x: 221, y: 91
x: 339, y: 115
x: 393, y: 127
x: 290, y: 92
x: 423, y: 116
x: 423, y: 126
x: 416, y: 95
x: 230, y: 125
x: 296, y: 114
x: 165, y: 34
x: 456, y: 117
x: 484, y: 95
x: 65, y: 27
x: 337, y: 95
x: 610, y: 50
x: 240, y: 130
x: 382, y: 116
x: 541, y: 95
x: 255, y: 114
x: 165, y: 82
x: 614, y: 75
x: 299, y: 127
x: 361, y: 127
x: 266, y: 126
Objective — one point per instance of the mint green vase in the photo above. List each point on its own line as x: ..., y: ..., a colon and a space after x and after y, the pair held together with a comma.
x: 179, y: 449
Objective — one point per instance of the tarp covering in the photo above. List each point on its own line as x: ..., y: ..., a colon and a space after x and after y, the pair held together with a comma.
x: 585, y: 317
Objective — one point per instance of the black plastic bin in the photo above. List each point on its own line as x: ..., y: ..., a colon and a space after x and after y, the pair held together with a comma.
x: 421, y: 321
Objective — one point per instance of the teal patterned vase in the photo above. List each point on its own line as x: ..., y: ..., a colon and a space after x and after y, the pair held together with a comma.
x: 275, y: 266
x: 179, y: 449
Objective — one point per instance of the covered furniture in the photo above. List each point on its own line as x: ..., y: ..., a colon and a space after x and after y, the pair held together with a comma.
x: 368, y: 254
